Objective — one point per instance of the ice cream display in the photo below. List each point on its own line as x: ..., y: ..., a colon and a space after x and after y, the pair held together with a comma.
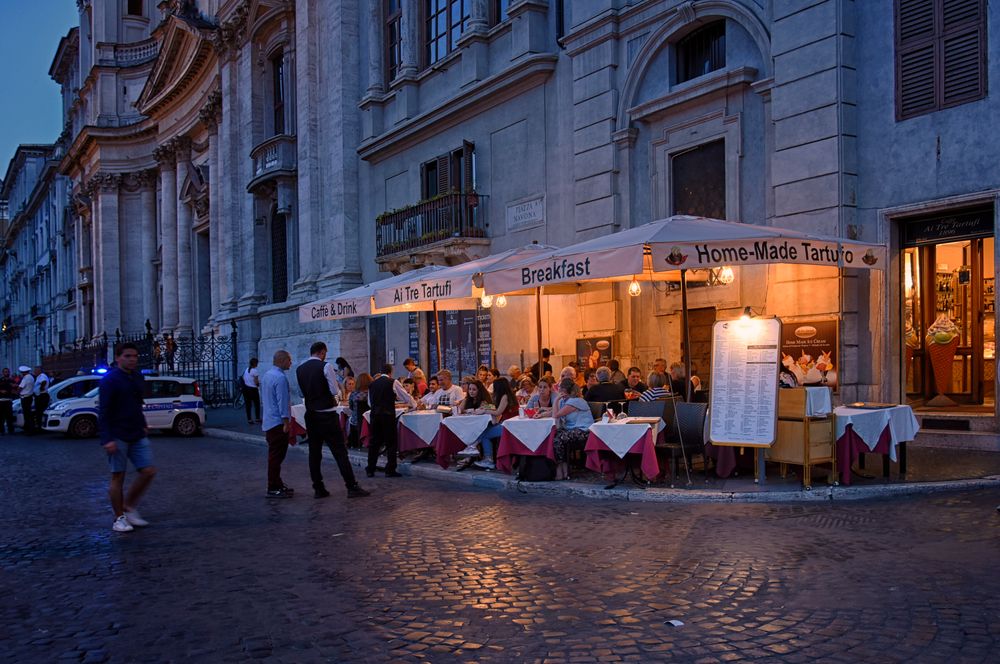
x: 942, y: 340
x: 912, y: 341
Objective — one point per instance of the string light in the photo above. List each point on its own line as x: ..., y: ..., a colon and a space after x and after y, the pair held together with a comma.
x: 726, y: 275
x: 634, y: 289
x: 501, y: 301
x: 486, y: 301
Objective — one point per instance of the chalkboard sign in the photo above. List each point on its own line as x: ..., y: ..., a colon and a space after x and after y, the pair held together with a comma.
x: 744, y: 394
x: 413, y: 341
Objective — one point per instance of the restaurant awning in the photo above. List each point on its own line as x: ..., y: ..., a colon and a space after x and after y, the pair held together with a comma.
x: 658, y: 250
x: 360, y: 301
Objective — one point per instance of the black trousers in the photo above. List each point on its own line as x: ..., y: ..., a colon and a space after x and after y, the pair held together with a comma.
x: 324, y: 429
x: 277, y: 448
x: 28, y: 410
x: 383, y: 435
x: 41, y: 403
x: 6, y: 416
x: 251, y: 397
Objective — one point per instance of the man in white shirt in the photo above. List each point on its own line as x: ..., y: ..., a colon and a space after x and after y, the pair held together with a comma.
x: 26, y: 390
x: 430, y: 400
x: 251, y: 390
x: 450, y: 394
x: 41, y: 396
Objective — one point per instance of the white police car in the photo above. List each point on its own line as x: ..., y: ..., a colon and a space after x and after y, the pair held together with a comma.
x: 170, y: 403
x: 71, y: 388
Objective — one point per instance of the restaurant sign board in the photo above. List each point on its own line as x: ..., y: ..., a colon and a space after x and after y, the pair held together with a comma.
x: 744, y: 394
x: 335, y: 308
x: 949, y: 228
x: 809, y: 352
x: 526, y: 213
x: 681, y: 256
x: 425, y: 290
x: 593, y: 352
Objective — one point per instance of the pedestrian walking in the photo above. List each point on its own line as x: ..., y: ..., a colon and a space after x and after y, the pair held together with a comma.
x: 26, y: 391
x: 320, y: 390
x: 171, y: 347
x: 122, y: 429
x: 8, y: 392
x: 41, y: 397
x: 250, y: 384
x: 276, y: 422
x: 382, y: 396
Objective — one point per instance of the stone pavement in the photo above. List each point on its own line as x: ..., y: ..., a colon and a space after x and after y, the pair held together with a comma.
x: 423, y: 571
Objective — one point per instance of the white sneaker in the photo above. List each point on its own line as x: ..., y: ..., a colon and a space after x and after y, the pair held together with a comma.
x: 470, y: 451
x: 134, y: 519
x: 121, y: 525
x: 485, y: 464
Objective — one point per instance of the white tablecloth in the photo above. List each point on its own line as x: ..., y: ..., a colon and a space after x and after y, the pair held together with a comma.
x: 655, y: 422
x: 368, y: 415
x: 818, y: 401
x: 531, y: 432
x: 619, y: 436
x: 299, y: 414
x: 870, y: 423
x: 467, y: 428
x: 424, y: 424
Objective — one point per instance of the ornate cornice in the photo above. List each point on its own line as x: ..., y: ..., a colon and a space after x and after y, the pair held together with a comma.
x: 232, y: 33
x: 101, y: 182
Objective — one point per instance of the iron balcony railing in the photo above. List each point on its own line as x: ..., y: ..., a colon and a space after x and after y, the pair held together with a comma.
x: 455, y: 215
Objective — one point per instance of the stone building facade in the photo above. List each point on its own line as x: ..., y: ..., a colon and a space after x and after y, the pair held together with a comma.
x: 239, y: 158
x: 37, y: 262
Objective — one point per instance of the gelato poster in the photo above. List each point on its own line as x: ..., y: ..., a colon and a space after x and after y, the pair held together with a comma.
x: 809, y: 352
x: 593, y: 352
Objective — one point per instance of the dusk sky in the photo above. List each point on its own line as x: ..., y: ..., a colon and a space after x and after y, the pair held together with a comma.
x: 29, y: 34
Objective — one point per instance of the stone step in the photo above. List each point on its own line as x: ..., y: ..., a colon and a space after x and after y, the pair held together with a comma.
x: 987, y: 441
x: 959, y: 422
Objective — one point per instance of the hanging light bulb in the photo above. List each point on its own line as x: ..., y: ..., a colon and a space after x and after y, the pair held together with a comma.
x: 501, y: 301
x: 634, y: 289
x: 726, y: 275
x: 486, y: 301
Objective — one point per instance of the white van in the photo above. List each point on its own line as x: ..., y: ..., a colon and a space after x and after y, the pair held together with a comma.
x: 170, y: 403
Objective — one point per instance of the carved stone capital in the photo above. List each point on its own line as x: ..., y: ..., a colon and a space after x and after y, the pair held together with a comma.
x: 164, y: 155
x: 210, y: 114
x: 182, y: 147
x: 102, y: 183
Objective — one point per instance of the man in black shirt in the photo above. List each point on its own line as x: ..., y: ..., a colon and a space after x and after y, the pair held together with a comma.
x: 7, y: 395
x: 546, y: 367
x: 319, y: 385
x: 382, y: 400
x: 634, y: 381
x: 605, y: 390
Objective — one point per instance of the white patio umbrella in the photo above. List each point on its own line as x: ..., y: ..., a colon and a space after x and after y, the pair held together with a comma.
x: 360, y: 301
x: 658, y: 250
x: 458, y: 281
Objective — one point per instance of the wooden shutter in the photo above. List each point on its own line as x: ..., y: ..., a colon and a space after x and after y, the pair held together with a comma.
x: 443, y: 174
x: 467, y: 181
x: 963, y: 51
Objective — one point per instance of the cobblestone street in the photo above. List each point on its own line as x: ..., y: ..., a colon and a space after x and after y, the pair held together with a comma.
x: 424, y: 571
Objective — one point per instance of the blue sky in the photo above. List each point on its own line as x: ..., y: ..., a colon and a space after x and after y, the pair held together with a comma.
x: 31, y: 111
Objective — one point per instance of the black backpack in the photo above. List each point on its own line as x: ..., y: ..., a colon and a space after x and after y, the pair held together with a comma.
x: 536, y: 469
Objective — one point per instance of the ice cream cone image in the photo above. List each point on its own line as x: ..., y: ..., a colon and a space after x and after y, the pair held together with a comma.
x: 942, y: 341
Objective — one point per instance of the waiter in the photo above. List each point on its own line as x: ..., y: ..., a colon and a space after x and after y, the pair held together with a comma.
x: 382, y: 396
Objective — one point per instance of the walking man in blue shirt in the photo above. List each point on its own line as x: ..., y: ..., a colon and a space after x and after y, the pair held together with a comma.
x: 276, y: 420
x: 122, y: 427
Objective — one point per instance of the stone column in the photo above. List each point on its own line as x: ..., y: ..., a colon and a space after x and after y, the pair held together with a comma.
x: 376, y: 43
x: 168, y: 236
x: 147, y: 202
x: 479, y: 18
x: 410, y: 34
x: 185, y: 285
x: 107, y: 272
x: 214, y: 233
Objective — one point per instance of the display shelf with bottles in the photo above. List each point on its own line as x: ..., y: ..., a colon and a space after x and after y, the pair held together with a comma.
x: 944, y: 300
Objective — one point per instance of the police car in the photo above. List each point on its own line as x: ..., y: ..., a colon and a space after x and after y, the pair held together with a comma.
x: 71, y: 388
x: 170, y: 403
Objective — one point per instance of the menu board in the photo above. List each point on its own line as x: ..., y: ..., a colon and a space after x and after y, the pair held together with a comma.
x: 744, y: 394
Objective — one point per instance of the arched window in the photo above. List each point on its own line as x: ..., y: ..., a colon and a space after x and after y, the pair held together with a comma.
x: 701, y: 52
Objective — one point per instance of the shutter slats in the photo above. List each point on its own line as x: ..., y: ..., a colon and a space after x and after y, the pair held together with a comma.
x: 962, y: 75
x: 956, y: 12
x: 916, y: 19
x: 916, y: 73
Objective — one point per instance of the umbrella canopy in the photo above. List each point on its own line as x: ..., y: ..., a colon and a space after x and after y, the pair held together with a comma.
x: 657, y: 250
x: 360, y: 301
x: 457, y: 281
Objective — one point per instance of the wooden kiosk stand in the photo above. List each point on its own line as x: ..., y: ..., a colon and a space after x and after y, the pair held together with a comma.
x: 803, y: 440
x: 744, y: 397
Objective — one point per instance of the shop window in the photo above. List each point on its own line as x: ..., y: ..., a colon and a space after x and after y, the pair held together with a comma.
x: 701, y: 52
x: 698, y: 180
x: 278, y: 93
x: 454, y: 171
x: 940, y: 54
x: 279, y: 258
x: 393, y: 38
x: 444, y: 22
x: 134, y: 8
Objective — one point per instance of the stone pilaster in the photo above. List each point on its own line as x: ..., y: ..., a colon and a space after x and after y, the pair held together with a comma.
x: 376, y: 41
x: 410, y: 34
x: 107, y: 270
x: 185, y: 285
x: 168, y: 236
x: 147, y: 202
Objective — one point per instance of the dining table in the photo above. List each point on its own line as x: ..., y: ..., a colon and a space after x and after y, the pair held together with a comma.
x: 883, y: 430
x: 525, y: 436
x: 364, y: 436
x: 610, y: 442
x: 418, y: 429
x: 457, y: 433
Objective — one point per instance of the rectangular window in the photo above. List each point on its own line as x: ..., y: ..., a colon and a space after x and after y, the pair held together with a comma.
x: 701, y: 52
x: 278, y: 92
x: 452, y: 172
x: 499, y: 11
x: 940, y: 54
x: 444, y: 22
x: 134, y: 8
x: 393, y: 39
x: 698, y: 178
x: 279, y: 258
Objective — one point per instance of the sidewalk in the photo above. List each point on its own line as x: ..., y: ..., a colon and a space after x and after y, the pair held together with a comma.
x: 930, y: 470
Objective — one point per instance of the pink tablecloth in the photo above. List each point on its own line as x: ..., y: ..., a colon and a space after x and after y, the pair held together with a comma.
x: 446, y: 445
x: 725, y: 458
x: 366, y: 432
x: 510, y: 447
x: 851, y: 445
x: 609, y: 462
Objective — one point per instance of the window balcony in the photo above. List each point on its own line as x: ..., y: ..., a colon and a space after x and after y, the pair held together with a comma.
x: 450, y: 228
x: 272, y: 159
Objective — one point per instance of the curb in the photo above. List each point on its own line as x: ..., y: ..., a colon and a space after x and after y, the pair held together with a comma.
x: 499, y: 482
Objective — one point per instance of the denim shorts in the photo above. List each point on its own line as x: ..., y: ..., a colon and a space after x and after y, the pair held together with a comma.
x: 139, y: 453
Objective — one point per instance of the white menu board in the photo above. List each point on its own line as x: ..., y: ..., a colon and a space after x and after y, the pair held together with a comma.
x: 744, y: 386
